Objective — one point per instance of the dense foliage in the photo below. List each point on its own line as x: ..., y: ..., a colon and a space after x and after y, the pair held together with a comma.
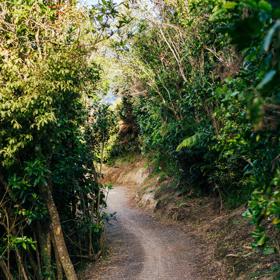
x: 209, y: 110
x: 125, y: 140
x: 200, y: 86
x: 48, y: 186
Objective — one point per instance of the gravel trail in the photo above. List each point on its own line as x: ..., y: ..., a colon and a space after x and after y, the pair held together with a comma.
x: 142, y: 248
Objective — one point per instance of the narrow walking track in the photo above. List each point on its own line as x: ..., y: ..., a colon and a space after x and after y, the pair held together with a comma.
x: 143, y: 248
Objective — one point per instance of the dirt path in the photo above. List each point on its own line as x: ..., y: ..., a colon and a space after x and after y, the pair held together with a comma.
x: 143, y: 248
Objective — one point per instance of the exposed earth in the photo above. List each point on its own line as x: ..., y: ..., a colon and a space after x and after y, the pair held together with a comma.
x: 172, y: 236
x: 143, y: 248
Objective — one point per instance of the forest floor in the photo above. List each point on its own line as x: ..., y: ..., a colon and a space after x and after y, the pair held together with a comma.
x: 160, y: 234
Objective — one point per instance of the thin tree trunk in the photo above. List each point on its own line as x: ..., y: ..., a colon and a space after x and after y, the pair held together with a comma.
x: 101, y: 156
x: 5, y: 270
x: 21, y: 265
x: 99, y: 191
x: 34, y: 265
x: 59, y: 270
x: 90, y: 247
x: 175, y: 55
x: 37, y: 253
x: 59, y: 238
x: 45, y: 248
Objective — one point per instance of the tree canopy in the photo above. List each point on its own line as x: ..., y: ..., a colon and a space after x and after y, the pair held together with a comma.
x: 199, y: 83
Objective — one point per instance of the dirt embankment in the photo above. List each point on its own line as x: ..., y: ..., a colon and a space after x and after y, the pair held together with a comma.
x: 223, y: 234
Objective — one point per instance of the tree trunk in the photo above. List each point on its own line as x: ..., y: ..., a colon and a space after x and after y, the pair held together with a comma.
x: 59, y: 238
x: 45, y: 248
x: 34, y: 265
x: 21, y: 265
x: 59, y: 271
x: 37, y: 253
x: 5, y: 270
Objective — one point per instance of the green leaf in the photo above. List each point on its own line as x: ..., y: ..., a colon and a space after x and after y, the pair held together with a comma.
x: 264, y: 5
x: 189, y: 142
x: 230, y: 5
x: 267, y: 78
x: 270, y: 34
x: 261, y: 241
x: 276, y: 221
x: 269, y: 251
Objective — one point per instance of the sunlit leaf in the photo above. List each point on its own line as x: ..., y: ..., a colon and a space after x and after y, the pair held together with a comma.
x: 267, y: 78
x: 270, y: 34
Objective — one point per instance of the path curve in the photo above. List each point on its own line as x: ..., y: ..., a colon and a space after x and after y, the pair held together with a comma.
x: 142, y: 248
